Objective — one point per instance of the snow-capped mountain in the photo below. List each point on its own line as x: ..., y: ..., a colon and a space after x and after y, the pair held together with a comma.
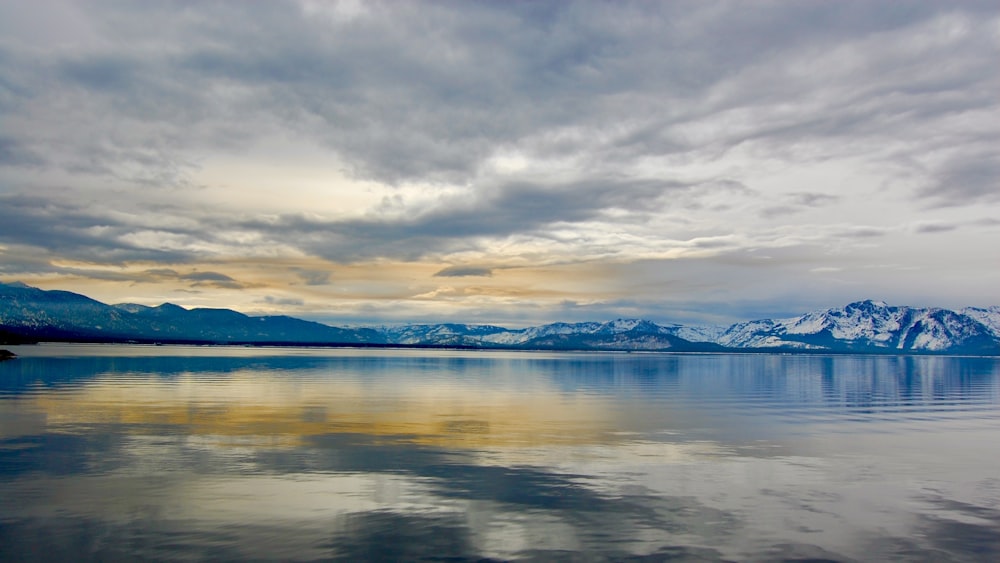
x: 627, y: 334
x: 27, y: 313
x: 448, y: 334
x: 621, y: 334
x: 989, y: 318
x: 864, y: 326
x: 873, y: 326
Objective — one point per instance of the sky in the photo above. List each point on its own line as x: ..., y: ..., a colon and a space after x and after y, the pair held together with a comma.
x: 510, y: 163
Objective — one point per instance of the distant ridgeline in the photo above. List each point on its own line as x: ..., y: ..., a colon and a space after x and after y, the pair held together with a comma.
x: 28, y: 314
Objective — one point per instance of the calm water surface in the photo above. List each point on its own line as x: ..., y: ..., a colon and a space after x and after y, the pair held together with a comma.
x: 188, y: 453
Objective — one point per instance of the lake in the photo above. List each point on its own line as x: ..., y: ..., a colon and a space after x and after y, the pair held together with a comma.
x: 193, y: 453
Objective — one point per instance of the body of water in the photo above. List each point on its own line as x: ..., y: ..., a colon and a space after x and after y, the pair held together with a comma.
x: 193, y: 453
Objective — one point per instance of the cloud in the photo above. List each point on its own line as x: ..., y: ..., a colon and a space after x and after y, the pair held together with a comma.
x: 63, y: 227
x: 134, y: 135
x: 596, y: 82
x: 460, y: 221
x: 966, y: 177
x: 206, y: 277
x: 416, y: 93
x: 778, y: 211
x: 288, y: 301
x: 211, y: 279
x: 162, y: 272
x: 808, y: 199
x: 313, y: 277
x: 935, y: 228
x: 464, y: 271
x: 101, y: 232
x: 863, y: 232
x: 15, y: 153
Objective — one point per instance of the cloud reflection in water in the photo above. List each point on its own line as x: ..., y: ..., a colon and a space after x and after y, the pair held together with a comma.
x: 400, y: 455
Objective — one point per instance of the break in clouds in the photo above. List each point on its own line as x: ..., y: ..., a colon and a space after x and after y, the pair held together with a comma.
x: 567, y: 160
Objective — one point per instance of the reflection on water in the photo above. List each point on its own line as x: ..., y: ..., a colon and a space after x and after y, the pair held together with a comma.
x: 167, y: 453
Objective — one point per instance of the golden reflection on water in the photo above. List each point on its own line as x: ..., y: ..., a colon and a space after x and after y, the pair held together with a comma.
x: 499, y: 456
x: 258, y: 408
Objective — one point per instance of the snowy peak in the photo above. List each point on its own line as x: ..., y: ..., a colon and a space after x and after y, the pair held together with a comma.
x: 630, y: 325
x: 446, y: 334
x: 862, y: 319
x: 873, y: 326
x: 941, y: 330
x: 620, y: 334
x: 988, y: 317
x: 868, y: 305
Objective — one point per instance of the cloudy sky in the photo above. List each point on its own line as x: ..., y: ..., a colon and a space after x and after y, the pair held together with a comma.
x: 504, y: 162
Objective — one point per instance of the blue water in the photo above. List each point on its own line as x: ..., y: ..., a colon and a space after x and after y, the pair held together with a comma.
x: 192, y: 453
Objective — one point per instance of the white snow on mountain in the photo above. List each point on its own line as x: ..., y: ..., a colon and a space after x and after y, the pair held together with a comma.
x: 642, y: 334
x: 988, y: 317
x: 697, y: 333
x: 751, y: 334
x: 870, y: 324
x: 864, y: 325
x: 619, y: 326
x: 457, y: 334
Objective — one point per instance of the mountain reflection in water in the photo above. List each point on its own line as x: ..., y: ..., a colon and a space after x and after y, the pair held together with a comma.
x: 165, y: 453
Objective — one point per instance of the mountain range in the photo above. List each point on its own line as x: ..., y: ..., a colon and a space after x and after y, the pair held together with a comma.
x: 29, y: 314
